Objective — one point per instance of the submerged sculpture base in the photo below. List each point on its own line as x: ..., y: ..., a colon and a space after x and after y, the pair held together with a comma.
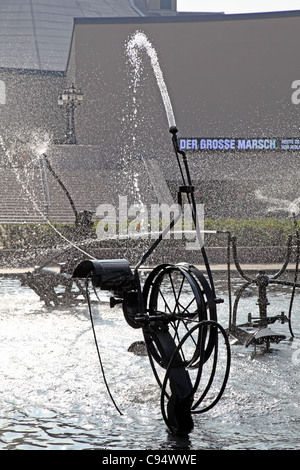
x: 251, y: 335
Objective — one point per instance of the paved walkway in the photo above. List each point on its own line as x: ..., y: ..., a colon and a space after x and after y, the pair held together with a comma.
x: 214, y: 267
x: 250, y: 267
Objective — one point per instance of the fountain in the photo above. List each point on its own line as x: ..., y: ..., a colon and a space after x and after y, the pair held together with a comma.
x: 54, y: 287
x: 175, y: 308
x: 181, y: 332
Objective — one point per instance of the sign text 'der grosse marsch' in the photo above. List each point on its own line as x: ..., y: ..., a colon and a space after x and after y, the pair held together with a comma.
x: 239, y: 144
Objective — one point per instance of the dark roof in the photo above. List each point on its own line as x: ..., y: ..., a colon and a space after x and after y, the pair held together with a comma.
x: 36, y: 34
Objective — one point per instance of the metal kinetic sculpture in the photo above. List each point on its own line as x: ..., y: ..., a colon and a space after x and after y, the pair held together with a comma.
x: 257, y: 331
x: 176, y: 310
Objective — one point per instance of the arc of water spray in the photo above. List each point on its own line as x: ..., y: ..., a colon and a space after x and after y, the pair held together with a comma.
x: 40, y: 154
x: 138, y: 42
x: 276, y: 204
x: 45, y: 186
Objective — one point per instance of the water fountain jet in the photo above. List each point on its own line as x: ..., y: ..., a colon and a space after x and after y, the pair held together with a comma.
x: 183, y: 337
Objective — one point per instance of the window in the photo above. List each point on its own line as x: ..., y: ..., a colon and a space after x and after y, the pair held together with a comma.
x: 165, y: 4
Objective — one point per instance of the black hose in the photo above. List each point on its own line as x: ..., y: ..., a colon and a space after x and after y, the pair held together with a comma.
x: 295, y: 277
x: 97, y: 347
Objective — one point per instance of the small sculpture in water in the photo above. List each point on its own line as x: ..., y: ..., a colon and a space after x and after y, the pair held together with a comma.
x: 257, y: 331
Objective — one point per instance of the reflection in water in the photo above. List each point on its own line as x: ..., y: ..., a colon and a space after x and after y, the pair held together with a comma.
x: 53, y: 395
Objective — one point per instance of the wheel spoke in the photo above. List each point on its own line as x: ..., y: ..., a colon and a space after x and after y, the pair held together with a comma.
x: 185, y: 309
x: 164, y: 300
x: 176, y: 297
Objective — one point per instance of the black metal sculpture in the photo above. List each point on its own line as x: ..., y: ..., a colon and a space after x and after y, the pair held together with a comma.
x: 257, y: 331
x: 54, y: 287
x: 177, y: 312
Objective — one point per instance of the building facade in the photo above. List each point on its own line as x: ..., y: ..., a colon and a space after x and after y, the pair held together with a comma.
x: 227, y: 76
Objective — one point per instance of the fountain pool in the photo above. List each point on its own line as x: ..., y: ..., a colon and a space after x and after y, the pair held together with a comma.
x: 53, y: 396
x: 52, y: 390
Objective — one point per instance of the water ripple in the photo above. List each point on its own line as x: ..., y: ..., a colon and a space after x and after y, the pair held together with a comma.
x: 52, y: 394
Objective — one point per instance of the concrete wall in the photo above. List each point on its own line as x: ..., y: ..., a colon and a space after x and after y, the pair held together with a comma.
x: 227, y: 77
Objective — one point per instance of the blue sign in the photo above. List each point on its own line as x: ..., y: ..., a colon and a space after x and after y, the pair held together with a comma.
x: 239, y: 144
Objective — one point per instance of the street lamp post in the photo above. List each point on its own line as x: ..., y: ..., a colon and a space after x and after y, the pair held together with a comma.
x: 69, y: 99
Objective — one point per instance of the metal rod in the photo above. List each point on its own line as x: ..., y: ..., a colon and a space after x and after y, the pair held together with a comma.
x: 295, y: 276
x: 191, y: 199
x: 49, y: 166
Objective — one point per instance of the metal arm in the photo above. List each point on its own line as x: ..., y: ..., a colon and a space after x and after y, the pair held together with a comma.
x: 48, y: 165
x: 188, y: 188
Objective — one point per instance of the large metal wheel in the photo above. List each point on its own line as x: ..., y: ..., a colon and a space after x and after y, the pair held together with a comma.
x: 177, y: 296
x: 189, y: 361
x: 208, y: 382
